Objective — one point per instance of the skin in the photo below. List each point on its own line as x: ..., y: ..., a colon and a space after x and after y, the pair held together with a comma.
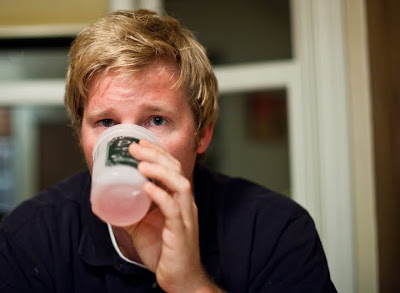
x: 166, y: 240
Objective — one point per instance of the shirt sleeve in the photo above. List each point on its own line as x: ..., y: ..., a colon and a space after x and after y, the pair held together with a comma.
x: 296, y: 263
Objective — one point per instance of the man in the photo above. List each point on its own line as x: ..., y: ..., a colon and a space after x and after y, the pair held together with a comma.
x: 205, y: 232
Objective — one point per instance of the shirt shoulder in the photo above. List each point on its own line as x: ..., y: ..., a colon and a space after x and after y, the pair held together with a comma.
x: 52, y: 204
x: 238, y: 194
x: 39, y: 237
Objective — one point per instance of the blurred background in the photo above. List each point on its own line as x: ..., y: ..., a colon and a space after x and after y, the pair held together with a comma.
x: 310, y: 102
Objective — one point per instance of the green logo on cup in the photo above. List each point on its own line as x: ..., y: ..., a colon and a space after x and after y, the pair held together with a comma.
x: 118, y: 153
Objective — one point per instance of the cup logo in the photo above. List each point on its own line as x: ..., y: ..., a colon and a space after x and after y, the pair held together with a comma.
x: 118, y: 154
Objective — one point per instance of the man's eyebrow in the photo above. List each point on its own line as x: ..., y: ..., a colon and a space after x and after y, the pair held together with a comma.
x: 99, y: 113
x: 157, y: 108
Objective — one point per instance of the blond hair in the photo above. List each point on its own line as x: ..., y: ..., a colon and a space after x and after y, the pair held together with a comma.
x: 128, y: 41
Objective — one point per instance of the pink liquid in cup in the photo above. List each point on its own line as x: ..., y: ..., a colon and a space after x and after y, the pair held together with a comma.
x: 120, y: 204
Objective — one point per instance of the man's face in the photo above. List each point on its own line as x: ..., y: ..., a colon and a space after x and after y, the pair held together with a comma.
x: 148, y: 99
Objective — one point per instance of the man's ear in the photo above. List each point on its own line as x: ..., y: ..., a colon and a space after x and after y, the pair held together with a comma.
x: 205, y: 139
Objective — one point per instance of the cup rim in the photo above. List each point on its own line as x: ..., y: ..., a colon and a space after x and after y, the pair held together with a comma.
x: 124, y: 128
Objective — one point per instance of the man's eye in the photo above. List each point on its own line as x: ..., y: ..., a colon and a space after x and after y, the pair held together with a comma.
x: 157, y: 121
x: 106, y: 122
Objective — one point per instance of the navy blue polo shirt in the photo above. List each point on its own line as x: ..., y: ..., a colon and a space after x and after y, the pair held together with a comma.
x: 251, y: 240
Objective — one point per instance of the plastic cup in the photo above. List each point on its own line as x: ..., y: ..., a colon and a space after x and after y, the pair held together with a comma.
x: 117, y: 195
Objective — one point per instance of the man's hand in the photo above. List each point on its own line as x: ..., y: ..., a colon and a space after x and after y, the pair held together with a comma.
x: 167, y: 239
